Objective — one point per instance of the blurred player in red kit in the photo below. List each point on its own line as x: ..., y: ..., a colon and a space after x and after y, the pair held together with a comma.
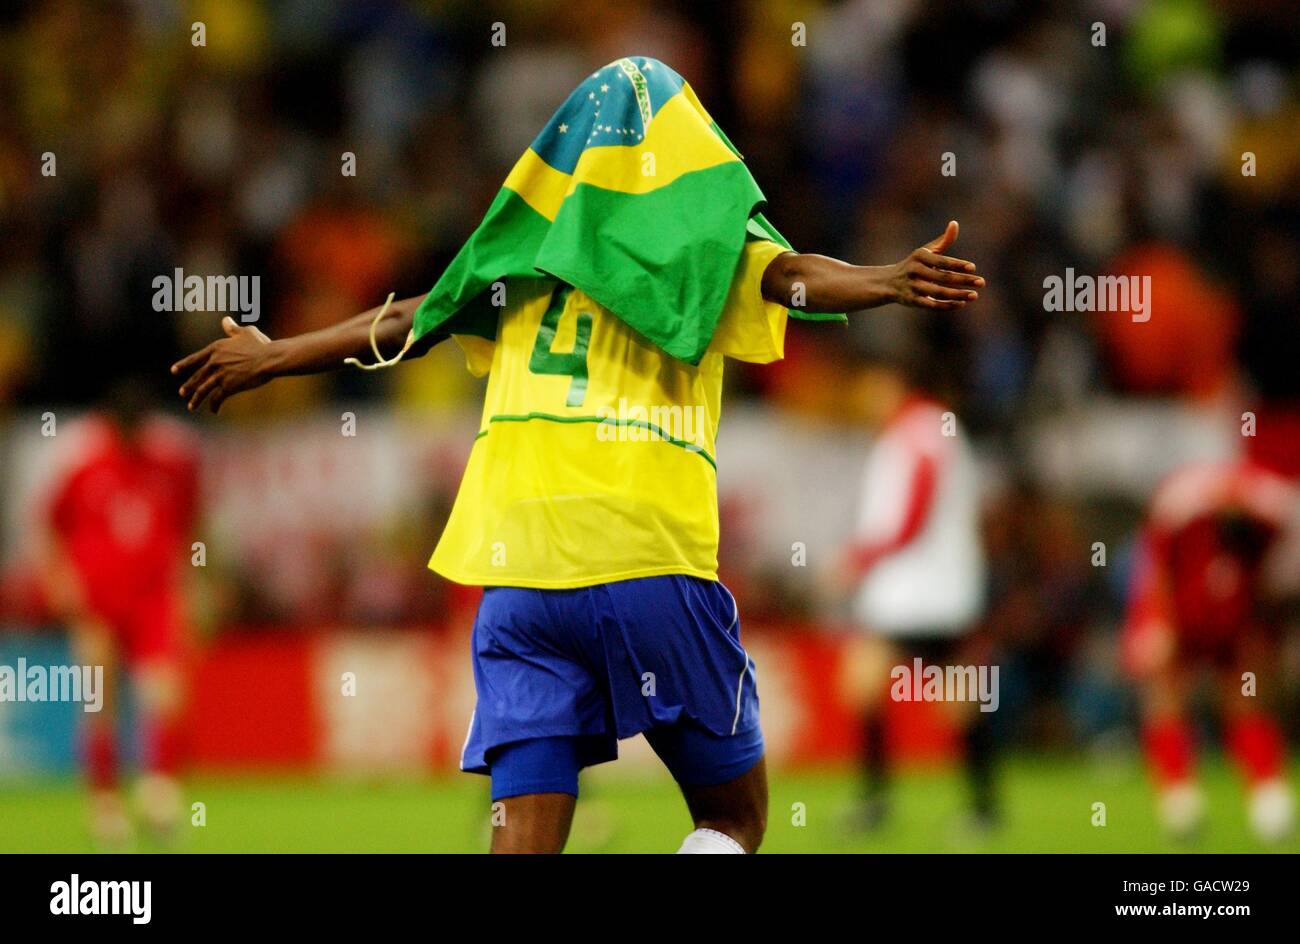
x: 1199, y: 605
x: 119, y: 533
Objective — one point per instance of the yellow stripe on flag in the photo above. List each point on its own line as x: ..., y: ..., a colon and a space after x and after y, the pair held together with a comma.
x: 541, y: 185
x: 695, y: 102
x: 679, y: 141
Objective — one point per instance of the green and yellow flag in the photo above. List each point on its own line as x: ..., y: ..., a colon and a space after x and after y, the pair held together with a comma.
x: 632, y: 194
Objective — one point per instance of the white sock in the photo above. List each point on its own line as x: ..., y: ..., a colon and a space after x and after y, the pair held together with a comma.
x: 710, y: 842
x: 1181, y: 807
x: 1272, y: 810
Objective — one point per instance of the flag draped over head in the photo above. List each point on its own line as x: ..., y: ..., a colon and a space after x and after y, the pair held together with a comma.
x: 632, y: 194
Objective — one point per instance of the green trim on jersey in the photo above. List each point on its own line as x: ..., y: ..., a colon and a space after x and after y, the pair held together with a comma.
x: 608, y: 420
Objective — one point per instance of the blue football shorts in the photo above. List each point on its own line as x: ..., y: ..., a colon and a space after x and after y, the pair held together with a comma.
x: 563, y: 675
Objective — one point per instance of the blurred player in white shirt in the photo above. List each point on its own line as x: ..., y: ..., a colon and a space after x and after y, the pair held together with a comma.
x: 914, y: 569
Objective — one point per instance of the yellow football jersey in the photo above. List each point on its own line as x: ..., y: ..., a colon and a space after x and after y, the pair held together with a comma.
x: 595, y: 456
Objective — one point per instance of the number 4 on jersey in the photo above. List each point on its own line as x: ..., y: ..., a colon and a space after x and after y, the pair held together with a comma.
x: 573, y: 364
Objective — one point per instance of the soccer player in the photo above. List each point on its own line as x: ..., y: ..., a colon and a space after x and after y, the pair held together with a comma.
x: 1199, y: 606
x: 915, y: 568
x: 119, y: 528
x: 636, y: 264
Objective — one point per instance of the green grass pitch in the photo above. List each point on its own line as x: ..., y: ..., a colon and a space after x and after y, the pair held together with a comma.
x: 1048, y: 808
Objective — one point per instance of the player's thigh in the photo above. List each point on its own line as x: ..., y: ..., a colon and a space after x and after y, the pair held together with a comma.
x: 1163, y: 692
x: 865, y: 662
x: 153, y: 639
x: 96, y: 643
x: 159, y: 686
x: 722, y: 777
x: 534, y: 686
x: 534, y: 788
x: 1246, y: 677
x: 953, y: 653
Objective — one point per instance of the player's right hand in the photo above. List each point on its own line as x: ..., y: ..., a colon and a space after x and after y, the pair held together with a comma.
x: 929, y: 279
x: 225, y: 367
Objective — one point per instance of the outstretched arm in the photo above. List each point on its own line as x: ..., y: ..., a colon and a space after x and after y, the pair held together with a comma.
x: 246, y: 358
x: 925, y: 279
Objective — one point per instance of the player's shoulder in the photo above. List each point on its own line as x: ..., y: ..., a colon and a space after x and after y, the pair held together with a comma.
x: 167, y: 440
x: 925, y: 425
x: 84, y: 441
x: 1198, y: 487
x: 1187, y: 491
x: 83, y: 447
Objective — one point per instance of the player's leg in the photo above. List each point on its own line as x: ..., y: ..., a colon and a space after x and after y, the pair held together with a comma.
x: 534, y: 823
x: 542, y: 713
x: 863, y: 685
x: 978, y: 749
x: 95, y: 644
x: 975, y: 730
x: 723, y: 779
x: 736, y: 810
x: 975, y: 736
x: 1168, y: 742
x: 1255, y: 741
x: 154, y: 650
x: 534, y: 791
x: 675, y: 669
x: 159, y: 700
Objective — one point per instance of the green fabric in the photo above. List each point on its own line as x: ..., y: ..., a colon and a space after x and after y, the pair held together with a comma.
x: 662, y: 261
x: 662, y: 269
x: 504, y: 245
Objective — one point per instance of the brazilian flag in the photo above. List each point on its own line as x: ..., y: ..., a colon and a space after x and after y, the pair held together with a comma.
x: 632, y: 194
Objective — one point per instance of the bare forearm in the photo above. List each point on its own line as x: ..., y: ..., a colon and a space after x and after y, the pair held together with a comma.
x: 925, y: 279
x: 246, y: 358
x: 820, y: 283
x: 326, y: 349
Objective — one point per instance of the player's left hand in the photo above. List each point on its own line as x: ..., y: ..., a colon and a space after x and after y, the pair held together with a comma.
x: 929, y: 279
x: 225, y: 367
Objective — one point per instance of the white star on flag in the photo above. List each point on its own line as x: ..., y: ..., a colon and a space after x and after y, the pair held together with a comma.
x: 563, y: 128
